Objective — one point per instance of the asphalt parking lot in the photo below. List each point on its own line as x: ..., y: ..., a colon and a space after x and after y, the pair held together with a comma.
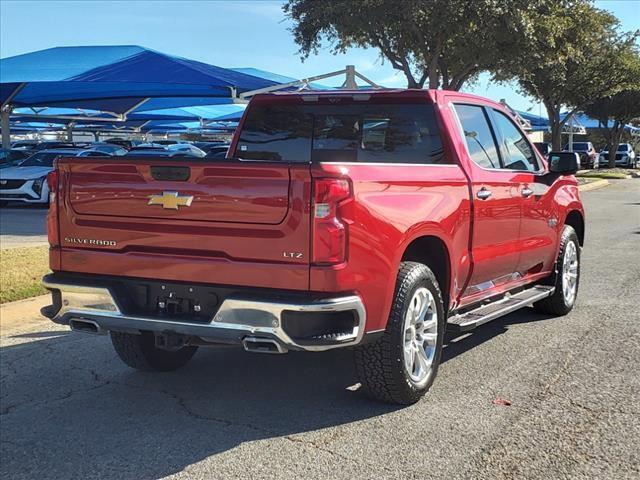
x: 23, y: 226
x: 71, y: 409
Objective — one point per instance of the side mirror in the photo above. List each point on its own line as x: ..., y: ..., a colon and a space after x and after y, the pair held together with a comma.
x: 564, y: 163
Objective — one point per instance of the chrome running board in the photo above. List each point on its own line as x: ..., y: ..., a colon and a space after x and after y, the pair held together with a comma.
x: 498, y: 308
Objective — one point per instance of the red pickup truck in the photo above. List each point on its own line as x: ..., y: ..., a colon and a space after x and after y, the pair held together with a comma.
x: 367, y: 219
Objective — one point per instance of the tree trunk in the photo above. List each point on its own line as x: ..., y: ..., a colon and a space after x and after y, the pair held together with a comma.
x: 615, y: 143
x: 553, y: 113
x: 411, y: 82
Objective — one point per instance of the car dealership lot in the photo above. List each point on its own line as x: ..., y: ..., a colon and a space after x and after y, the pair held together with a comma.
x: 70, y: 409
x: 23, y: 226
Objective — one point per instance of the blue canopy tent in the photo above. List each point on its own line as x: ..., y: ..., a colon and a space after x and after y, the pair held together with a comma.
x: 275, y: 77
x: 231, y: 117
x: 592, y: 123
x: 114, y: 80
x: 538, y: 124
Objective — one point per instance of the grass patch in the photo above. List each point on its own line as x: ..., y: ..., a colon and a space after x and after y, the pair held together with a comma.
x: 21, y: 271
x: 607, y: 175
x: 585, y: 180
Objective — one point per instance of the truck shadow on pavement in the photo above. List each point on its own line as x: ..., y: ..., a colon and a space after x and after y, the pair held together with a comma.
x: 70, y: 409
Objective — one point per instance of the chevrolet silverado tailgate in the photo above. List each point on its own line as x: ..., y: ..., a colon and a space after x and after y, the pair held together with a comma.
x: 214, y: 221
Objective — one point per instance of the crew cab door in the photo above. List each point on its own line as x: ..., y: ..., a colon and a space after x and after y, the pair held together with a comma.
x: 538, y: 236
x: 497, y: 203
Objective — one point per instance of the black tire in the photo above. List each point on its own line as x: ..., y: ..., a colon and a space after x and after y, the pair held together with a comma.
x: 140, y: 352
x: 380, y: 365
x: 557, y: 304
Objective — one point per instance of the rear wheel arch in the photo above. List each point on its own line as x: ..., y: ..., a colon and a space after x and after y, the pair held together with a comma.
x: 575, y: 219
x: 433, y: 252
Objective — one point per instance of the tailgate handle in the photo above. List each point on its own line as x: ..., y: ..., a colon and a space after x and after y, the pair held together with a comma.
x: 176, y: 174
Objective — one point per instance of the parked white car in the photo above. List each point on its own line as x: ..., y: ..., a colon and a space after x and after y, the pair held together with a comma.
x: 27, y: 182
x: 625, y: 156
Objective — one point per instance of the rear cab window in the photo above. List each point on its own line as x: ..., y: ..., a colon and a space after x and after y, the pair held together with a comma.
x: 354, y: 132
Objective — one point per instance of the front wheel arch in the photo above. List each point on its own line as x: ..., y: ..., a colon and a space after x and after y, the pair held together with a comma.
x: 575, y: 219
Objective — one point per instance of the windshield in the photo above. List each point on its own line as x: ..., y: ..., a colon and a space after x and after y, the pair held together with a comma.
x: 623, y: 147
x: 41, y: 159
x: 578, y: 146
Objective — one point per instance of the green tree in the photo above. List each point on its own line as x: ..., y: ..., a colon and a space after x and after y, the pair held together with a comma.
x: 614, y: 113
x: 574, y: 55
x: 440, y: 43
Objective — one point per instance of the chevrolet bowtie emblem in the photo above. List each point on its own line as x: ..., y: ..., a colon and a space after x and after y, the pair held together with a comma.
x: 171, y: 200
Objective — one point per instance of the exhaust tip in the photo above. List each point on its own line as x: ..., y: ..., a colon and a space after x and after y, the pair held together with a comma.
x: 262, y: 345
x: 86, y: 326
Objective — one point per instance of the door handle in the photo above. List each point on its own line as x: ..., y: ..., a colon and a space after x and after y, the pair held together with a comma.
x: 483, y: 193
x: 527, y: 192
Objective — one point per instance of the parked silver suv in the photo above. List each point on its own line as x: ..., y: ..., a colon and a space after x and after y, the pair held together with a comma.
x: 625, y: 156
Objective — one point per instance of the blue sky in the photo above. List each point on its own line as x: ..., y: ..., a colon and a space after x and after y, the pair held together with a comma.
x: 225, y: 33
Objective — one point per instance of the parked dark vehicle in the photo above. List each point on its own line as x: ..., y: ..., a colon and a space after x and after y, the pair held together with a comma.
x: 11, y: 158
x: 169, y: 141
x: 123, y: 142
x: 219, y: 151
x: 109, y: 148
x: 207, y: 146
x: 544, y: 148
x: 186, y: 149
x: 587, y: 152
x: 153, y: 151
x: 36, y: 147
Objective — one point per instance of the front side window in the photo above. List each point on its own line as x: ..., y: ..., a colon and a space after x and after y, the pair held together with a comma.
x: 516, y: 150
x: 478, y: 136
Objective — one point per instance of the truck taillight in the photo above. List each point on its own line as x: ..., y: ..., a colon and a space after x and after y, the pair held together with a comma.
x: 329, y: 229
x: 52, y: 215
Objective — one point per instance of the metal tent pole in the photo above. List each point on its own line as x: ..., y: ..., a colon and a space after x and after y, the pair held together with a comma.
x: 6, y: 127
x: 350, y: 80
x: 69, y: 131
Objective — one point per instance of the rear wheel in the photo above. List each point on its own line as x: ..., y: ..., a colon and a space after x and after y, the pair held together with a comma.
x: 140, y: 352
x: 567, y: 278
x: 401, y: 365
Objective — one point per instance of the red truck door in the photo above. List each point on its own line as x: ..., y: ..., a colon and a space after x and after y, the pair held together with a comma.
x: 497, y: 203
x: 538, y: 235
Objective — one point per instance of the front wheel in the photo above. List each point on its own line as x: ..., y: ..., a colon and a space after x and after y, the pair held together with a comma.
x: 141, y: 353
x: 400, y: 366
x: 567, y: 278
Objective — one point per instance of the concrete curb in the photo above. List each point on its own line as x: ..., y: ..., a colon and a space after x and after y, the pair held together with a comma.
x: 22, y: 312
x: 593, y: 185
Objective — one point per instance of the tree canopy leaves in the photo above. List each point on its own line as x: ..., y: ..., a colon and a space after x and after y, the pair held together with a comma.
x: 614, y: 113
x: 576, y: 54
x: 564, y: 53
x: 441, y: 43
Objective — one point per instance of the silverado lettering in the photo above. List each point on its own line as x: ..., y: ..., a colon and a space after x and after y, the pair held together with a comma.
x: 90, y: 241
x: 373, y: 220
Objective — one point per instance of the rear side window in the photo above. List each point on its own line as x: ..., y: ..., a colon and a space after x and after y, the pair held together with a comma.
x: 477, y: 134
x: 342, y: 133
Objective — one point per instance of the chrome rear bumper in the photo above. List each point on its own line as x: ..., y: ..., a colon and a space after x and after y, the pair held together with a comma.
x: 236, y: 319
